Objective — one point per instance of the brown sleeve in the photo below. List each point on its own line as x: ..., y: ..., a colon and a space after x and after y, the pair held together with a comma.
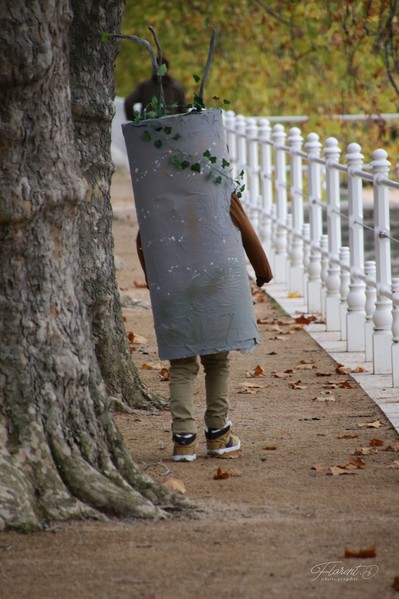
x: 251, y: 242
x: 141, y: 255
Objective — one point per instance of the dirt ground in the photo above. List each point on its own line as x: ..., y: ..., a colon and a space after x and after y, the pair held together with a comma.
x: 278, y: 524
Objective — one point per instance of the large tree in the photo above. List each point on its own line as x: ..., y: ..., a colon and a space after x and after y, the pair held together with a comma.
x: 63, y: 349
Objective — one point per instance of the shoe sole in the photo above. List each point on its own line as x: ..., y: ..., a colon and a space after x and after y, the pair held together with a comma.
x: 184, y: 458
x: 216, y: 452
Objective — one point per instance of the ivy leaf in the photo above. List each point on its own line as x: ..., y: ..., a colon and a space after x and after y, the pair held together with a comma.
x: 196, y: 167
x: 158, y: 143
x: 218, y: 180
x: 184, y: 164
x: 212, y: 159
x: 225, y: 163
x: 207, y: 154
x: 168, y: 130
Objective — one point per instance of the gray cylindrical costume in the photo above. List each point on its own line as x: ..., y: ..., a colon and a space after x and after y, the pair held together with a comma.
x: 195, y: 263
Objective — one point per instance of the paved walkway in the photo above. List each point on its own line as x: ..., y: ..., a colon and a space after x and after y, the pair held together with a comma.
x: 378, y: 387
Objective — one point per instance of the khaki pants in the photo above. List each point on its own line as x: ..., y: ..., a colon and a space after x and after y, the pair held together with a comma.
x: 182, y: 375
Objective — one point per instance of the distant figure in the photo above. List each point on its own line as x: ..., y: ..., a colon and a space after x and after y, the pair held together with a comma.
x: 146, y: 90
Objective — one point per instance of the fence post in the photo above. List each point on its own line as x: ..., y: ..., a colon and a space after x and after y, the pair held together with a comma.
x: 280, y: 245
x: 356, y: 298
x: 314, y: 269
x: 241, y: 146
x: 231, y: 139
x: 289, y: 248
x: 395, y: 333
x: 324, y: 271
x: 382, y: 337
x: 306, y: 257
x: 296, y: 279
x: 253, y: 169
x: 265, y: 183
x: 344, y: 259
x: 332, y: 153
x: 371, y: 296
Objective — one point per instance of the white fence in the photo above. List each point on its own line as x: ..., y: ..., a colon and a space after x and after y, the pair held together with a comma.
x: 301, y: 199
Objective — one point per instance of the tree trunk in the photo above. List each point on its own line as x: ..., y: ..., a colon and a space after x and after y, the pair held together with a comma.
x: 61, y: 455
x: 92, y: 89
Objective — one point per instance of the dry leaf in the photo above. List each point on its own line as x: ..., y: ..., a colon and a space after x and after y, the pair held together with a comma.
x: 319, y: 373
x: 341, y: 369
x: 164, y: 374
x: 337, y: 470
x: 324, y: 397
x: 348, y: 436
x: 221, y: 475
x: 247, y: 391
x: 365, y: 450
x: 140, y: 285
x: 392, y: 447
x: 306, y: 366
x: 320, y: 469
x: 395, y: 464
x: 175, y: 485
x: 298, y: 385
x: 375, y: 424
x: 282, y: 375
x: 258, y: 371
x: 278, y: 338
x: 272, y: 353
x: 252, y: 385
x: 294, y: 294
x: 361, y: 553
x: 376, y: 443
x: 270, y: 447
x: 346, y: 385
x: 305, y: 319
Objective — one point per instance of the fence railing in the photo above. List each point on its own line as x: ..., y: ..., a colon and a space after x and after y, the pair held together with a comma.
x: 303, y: 200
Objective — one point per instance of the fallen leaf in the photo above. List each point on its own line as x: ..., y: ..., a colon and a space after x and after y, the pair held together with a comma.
x: 376, y: 443
x: 365, y: 450
x: 294, y: 294
x: 356, y: 461
x: 375, y: 424
x: 395, y: 464
x: 152, y: 366
x: 164, y: 374
x: 324, y: 397
x: 359, y: 369
x: 272, y: 353
x: 270, y: 447
x: 341, y: 369
x: 247, y: 391
x: 346, y: 385
x: 305, y: 319
x: 265, y: 320
x: 298, y: 385
x: 338, y: 470
x: 392, y: 447
x: 361, y: 553
x: 221, y: 475
x: 319, y: 373
x: 348, y: 436
x: 278, y: 338
x: 258, y: 371
x: 320, y: 469
x: 175, y: 485
x: 306, y: 366
x: 252, y: 385
x: 282, y: 375
x: 273, y: 328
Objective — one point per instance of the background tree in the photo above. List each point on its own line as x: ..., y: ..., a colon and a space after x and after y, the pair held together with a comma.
x: 61, y: 455
x: 279, y: 57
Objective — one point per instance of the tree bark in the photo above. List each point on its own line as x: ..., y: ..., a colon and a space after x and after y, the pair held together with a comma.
x: 92, y: 90
x: 61, y: 455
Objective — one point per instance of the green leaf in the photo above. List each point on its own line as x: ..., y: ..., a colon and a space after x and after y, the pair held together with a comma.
x: 184, y: 164
x: 206, y: 22
x: 176, y: 136
x: 196, y: 167
x: 218, y: 180
x: 225, y: 163
x: 146, y: 136
x: 158, y: 128
x: 207, y: 154
x: 158, y: 143
x: 161, y: 70
x: 105, y: 37
x: 196, y: 78
x: 168, y: 130
x: 226, y: 101
x: 212, y: 159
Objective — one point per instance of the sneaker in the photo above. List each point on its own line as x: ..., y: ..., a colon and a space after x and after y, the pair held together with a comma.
x: 220, y: 441
x: 184, y: 446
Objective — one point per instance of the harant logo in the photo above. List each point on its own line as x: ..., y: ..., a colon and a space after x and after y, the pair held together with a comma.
x: 337, y: 572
